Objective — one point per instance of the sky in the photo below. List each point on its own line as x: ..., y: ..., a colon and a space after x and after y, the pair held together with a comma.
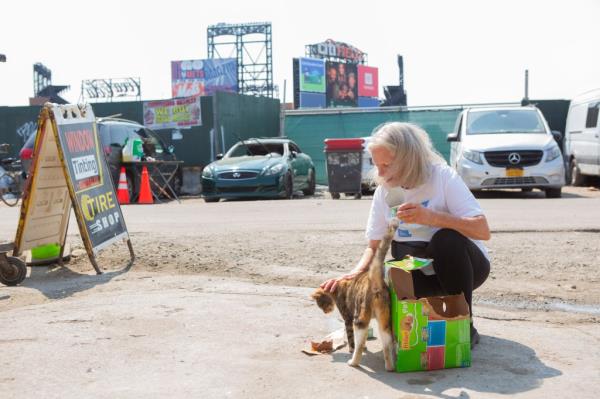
x: 455, y: 52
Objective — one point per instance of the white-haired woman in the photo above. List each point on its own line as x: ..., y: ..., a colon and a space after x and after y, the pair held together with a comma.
x: 440, y: 217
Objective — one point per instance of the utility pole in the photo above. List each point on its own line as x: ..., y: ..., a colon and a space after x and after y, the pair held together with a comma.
x: 525, y: 100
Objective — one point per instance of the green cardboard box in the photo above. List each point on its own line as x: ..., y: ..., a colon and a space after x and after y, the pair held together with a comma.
x: 431, y: 333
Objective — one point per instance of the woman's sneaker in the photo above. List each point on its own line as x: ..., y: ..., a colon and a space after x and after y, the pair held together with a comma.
x: 474, y: 336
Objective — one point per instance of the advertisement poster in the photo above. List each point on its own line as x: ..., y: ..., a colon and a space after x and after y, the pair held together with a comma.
x: 178, y: 113
x: 94, y: 192
x: 342, y: 85
x: 203, y: 77
x: 368, y: 81
x: 312, y: 75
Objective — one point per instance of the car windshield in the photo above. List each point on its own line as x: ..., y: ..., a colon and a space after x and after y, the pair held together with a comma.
x: 504, y: 121
x: 151, y: 138
x: 252, y: 148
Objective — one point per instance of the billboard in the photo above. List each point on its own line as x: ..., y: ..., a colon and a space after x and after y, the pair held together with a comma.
x: 203, y: 77
x: 342, y: 87
x: 368, y: 81
x: 312, y: 75
x: 178, y: 113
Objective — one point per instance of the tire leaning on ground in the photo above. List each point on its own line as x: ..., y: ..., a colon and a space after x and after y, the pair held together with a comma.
x: 577, y: 179
x: 553, y: 192
x: 335, y: 195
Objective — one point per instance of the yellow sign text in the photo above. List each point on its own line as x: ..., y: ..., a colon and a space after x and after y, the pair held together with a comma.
x: 91, y: 206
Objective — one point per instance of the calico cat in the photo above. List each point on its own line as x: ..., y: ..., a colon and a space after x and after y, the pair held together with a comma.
x: 359, y: 300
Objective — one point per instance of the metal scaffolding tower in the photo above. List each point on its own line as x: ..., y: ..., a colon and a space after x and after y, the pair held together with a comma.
x: 254, y: 54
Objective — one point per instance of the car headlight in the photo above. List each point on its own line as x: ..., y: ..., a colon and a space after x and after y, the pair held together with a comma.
x: 552, y: 153
x: 207, y: 172
x: 274, y: 170
x: 473, y: 156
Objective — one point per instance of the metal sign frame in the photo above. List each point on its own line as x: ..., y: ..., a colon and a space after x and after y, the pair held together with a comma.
x: 51, y: 190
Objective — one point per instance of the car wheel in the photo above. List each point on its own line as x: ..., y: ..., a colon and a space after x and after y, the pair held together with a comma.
x: 553, y: 192
x: 335, y: 195
x: 358, y: 196
x: 527, y: 189
x: 311, y: 183
x: 577, y: 179
x: 288, y: 186
x: 212, y: 199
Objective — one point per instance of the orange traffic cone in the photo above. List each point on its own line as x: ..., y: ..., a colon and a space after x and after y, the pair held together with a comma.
x: 122, y: 189
x: 145, y: 192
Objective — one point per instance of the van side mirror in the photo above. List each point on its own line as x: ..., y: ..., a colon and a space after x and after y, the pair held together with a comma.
x: 557, y: 135
x: 219, y: 156
x: 452, y: 137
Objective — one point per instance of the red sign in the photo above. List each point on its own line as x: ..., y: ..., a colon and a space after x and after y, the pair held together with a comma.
x: 368, y: 81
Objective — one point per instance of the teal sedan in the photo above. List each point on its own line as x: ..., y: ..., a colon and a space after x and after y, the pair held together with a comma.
x: 259, y: 168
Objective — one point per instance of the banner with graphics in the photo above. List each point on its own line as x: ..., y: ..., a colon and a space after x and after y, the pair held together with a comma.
x: 312, y: 75
x: 342, y: 85
x: 94, y: 191
x: 179, y: 113
x: 203, y: 77
x: 368, y: 81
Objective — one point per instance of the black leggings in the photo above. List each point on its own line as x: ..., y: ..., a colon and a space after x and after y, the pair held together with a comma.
x: 459, y: 265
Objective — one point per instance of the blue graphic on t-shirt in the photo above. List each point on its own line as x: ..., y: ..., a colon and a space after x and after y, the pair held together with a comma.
x: 425, y: 203
x: 403, y: 233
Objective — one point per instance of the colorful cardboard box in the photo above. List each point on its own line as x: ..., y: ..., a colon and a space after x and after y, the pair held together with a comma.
x: 432, y: 333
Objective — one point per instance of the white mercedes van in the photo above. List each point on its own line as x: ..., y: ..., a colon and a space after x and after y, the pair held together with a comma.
x: 507, y: 147
x: 582, y: 138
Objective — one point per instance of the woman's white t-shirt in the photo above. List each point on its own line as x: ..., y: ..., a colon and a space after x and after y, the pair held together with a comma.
x: 443, y: 192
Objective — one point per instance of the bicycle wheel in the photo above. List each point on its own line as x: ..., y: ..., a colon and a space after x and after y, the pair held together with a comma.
x: 9, y: 190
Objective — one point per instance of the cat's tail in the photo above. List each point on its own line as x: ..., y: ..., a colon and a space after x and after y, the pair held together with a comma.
x: 376, y: 269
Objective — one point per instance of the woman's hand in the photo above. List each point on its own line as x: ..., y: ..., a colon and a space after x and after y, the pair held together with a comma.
x: 362, y: 266
x: 415, y: 213
x: 331, y: 284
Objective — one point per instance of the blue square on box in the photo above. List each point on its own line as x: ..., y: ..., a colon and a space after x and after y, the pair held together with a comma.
x: 437, y: 333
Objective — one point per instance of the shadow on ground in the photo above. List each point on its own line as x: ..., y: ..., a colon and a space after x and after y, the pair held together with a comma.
x: 499, y: 366
x: 58, y: 282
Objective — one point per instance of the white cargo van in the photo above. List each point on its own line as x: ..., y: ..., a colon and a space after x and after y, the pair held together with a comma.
x: 582, y: 138
x: 507, y: 147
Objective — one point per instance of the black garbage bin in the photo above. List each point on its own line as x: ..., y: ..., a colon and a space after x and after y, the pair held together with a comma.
x: 344, y: 166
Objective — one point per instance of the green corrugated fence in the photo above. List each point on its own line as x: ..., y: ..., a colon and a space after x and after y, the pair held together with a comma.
x: 310, y: 129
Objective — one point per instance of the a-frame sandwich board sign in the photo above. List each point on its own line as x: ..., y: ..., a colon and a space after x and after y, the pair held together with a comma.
x: 69, y: 169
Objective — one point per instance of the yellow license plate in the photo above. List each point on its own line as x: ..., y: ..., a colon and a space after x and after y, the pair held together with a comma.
x: 514, y: 172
